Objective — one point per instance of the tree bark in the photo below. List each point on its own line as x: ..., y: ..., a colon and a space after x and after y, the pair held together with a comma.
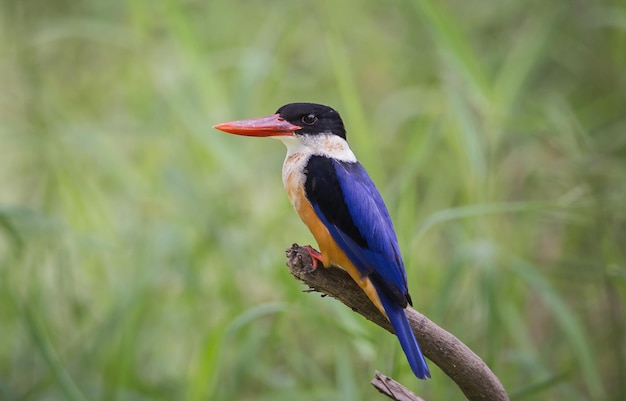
x: 454, y: 358
x: 392, y: 389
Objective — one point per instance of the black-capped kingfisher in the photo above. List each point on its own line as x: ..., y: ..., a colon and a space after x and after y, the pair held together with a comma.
x: 339, y: 203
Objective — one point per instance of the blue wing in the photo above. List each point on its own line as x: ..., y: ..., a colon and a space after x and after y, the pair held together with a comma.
x: 347, y: 201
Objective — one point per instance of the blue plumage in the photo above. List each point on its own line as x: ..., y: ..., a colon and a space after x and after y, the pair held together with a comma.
x: 403, y: 330
x: 367, y: 237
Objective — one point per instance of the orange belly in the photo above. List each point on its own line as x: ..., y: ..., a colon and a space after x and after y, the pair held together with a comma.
x: 331, y: 252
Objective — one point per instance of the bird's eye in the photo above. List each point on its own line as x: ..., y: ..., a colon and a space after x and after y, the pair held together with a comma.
x: 309, y: 119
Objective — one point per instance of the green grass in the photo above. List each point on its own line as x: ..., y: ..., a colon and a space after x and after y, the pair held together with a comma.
x: 141, y: 251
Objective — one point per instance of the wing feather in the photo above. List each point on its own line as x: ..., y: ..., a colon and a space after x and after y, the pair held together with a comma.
x: 347, y: 201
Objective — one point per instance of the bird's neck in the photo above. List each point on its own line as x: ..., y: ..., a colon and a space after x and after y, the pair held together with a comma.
x: 299, y: 150
x: 327, y: 145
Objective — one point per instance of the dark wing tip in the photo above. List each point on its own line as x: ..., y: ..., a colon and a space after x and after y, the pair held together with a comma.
x: 408, y: 298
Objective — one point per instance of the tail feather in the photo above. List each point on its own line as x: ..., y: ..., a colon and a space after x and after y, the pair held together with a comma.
x: 403, y: 330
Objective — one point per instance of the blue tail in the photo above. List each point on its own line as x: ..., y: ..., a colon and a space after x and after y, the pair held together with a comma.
x: 403, y: 330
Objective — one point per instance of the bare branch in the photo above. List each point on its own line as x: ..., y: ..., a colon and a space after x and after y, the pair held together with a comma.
x: 455, y: 359
x: 392, y: 389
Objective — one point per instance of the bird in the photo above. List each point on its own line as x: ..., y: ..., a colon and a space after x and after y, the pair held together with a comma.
x: 339, y: 203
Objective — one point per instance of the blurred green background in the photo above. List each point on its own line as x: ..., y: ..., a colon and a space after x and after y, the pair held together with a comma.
x: 141, y: 251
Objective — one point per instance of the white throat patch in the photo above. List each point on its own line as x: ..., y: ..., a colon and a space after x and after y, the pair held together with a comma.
x: 328, y: 145
x: 300, y: 148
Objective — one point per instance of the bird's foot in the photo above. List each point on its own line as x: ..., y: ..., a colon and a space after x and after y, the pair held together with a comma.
x: 316, y: 256
x: 303, y: 259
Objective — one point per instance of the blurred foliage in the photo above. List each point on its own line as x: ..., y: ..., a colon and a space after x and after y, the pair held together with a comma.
x: 141, y: 252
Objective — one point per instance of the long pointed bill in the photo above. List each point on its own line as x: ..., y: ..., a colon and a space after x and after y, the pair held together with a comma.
x: 264, y: 126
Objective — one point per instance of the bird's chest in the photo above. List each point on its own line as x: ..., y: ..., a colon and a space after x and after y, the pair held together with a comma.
x: 294, y: 177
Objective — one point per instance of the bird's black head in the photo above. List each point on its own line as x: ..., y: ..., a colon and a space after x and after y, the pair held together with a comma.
x: 313, y: 118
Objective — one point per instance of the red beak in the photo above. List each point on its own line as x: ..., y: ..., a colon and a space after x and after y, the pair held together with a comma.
x: 265, y: 126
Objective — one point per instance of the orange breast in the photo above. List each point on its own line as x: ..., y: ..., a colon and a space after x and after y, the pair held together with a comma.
x: 331, y: 252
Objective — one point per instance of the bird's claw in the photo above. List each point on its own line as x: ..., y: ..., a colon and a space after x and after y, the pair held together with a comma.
x: 298, y: 259
x: 316, y: 257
